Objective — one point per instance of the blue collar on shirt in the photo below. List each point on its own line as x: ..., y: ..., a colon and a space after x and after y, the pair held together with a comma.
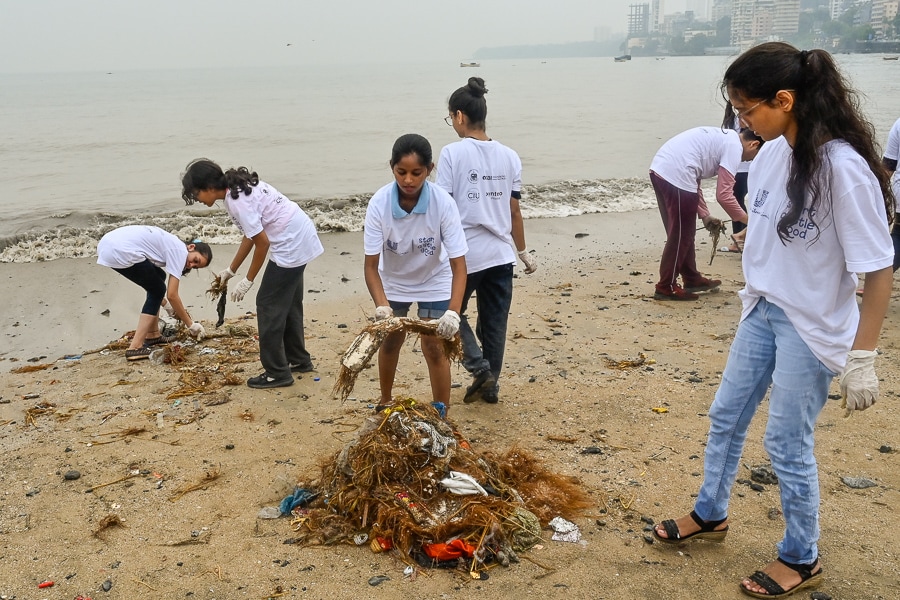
x: 420, y: 207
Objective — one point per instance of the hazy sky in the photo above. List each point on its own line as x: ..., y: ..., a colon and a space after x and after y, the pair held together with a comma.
x: 108, y: 35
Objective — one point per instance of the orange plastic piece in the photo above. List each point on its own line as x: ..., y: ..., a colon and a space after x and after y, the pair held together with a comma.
x: 454, y: 549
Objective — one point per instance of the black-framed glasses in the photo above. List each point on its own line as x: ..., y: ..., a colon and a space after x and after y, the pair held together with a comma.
x: 449, y: 120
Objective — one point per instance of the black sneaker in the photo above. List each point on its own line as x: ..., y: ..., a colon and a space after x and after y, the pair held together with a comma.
x: 490, y: 395
x: 267, y: 381
x: 302, y: 368
x: 485, y: 378
x: 138, y: 353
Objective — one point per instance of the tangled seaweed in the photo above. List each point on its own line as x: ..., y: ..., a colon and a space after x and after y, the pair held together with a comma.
x: 386, y: 486
x: 363, y: 348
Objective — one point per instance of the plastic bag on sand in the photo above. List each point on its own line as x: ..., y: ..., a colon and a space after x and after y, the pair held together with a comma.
x: 564, y: 531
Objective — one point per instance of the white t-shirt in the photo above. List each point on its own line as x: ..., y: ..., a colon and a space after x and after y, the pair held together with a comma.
x: 481, y: 176
x: 892, y: 151
x: 814, y: 280
x: 697, y: 154
x: 415, y: 248
x: 293, y: 240
x: 132, y: 244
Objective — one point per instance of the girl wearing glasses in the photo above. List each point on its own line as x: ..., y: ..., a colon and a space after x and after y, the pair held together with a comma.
x: 415, y: 252
x: 485, y: 179
x: 276, y: 228
x: 820, y: 205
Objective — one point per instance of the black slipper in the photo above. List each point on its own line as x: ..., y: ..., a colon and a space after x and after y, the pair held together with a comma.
x: 774, y: 589
x: 707, y: 531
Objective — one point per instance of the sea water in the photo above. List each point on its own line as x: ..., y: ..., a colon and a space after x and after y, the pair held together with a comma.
x: 86, y: 152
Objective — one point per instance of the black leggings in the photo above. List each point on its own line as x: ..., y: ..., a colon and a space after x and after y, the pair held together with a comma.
x: 151, y: 278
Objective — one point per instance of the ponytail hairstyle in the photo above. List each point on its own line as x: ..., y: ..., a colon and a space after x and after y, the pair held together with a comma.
x: 825, y: 108
x: 470, y: 100
x: 204, y: 174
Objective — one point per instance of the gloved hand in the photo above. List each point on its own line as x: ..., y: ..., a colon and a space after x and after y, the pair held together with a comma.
x: 225, y: 275
x: 448, y: 325
x: 170, y: 310
x: 529, y: 261
x: 383, y: 312
x: 241, y: 290
x: 196, y: 330
x: 859, y: 384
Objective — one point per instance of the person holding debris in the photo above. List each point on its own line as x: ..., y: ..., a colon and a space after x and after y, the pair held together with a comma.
x: 415, y: 251
x: 485, y: 179
x: 144, y: 254
x: 821, y: 204
x: 676, y: 173
x: 271, y: 223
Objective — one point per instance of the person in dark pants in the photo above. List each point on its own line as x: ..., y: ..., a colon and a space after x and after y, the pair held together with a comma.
x: 485, y: 179
x: 145, y: 254
x: 272, y: 225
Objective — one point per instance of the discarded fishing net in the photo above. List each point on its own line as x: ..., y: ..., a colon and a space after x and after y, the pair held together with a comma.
x: 411, y: 483
x: 363, y: 348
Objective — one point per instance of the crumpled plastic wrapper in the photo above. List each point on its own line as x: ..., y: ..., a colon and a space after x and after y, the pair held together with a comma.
x: 564, y: 531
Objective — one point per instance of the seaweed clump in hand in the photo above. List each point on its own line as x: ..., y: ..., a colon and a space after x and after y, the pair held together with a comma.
x: 218, y: 290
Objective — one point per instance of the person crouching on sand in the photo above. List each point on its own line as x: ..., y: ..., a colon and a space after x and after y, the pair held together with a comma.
x: 144, y: 254
x: 269, y: 222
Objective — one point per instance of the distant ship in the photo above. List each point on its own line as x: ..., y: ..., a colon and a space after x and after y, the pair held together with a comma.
x: 469, y: 64
x: 622, y: 58
x: 890, y: 57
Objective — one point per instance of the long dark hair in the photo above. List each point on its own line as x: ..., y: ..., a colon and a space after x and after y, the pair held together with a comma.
x: 825, y: 108
x: 470, y: 100
x: 411, y: 143
x: 204, y: 174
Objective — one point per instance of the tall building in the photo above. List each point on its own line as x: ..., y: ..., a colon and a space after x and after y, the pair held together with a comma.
x: 839, y: 7
x: 757, y: 20
x: 786, y: 17
x: 638, y: 20
x: 883, y: 13
x: 720, y: 9
x: 700, y: 9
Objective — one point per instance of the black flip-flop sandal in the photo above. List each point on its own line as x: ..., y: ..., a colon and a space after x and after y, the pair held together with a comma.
x: 707, y: 531
x: 774, y: 589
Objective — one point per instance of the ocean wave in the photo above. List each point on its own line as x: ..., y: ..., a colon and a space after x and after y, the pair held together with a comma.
x: 78, y: 234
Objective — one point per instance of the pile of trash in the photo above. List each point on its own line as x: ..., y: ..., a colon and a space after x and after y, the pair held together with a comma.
x: 411, y: 484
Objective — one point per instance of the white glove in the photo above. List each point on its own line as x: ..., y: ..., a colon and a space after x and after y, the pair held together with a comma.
x: 196, y: 330
x: 383, y: 312
x: 529, y: 261
x: 859, y: 384
x: 225, y: 275
x: 170, y: 310
x: 448, y: 325
x: 241, y: 290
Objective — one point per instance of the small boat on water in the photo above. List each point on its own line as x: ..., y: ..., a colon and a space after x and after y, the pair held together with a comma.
x: 469, y: 64
x: 890, y: 58
x: 622, y: 58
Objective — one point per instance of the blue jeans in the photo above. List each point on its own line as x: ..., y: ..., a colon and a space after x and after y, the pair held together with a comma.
x: 767, y: 351
x: 493, y: 289
x: 426, y: 310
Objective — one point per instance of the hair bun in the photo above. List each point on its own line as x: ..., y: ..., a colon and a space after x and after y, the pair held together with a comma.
x: 476, y: 85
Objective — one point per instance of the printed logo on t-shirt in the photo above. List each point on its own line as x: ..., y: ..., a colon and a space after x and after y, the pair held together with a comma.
x: 760, y: 199
x: 426, y: 245
x: 494, y: 194
x: 473, y: 176
x: 494, y: 177
x: 473, y: 195
x: 802, y: 229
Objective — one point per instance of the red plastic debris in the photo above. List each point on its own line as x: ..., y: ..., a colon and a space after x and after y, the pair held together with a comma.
x: 45, y: 584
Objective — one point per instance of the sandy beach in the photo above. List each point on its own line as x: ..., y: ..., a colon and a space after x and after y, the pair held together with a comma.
x: 126, y: 528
